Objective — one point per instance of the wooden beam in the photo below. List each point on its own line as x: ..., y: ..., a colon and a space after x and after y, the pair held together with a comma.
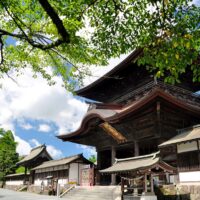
x: 116, y: 135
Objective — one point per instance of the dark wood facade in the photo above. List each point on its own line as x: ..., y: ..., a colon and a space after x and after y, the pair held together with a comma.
x: 145, y: 111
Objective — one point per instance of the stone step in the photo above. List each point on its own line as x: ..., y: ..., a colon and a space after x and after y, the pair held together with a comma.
x: 91, y: 193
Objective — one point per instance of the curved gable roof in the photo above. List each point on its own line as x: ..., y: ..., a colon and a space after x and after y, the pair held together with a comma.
x: 114, y: 115
x: 116, y: 69
x: 35, y: 152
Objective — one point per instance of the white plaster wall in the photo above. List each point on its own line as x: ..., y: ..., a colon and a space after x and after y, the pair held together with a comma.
x: 73, y: 173
x: 19, y: 182
x: 38, y: 182
x: 62, y: 182
x: 189, y: 146
x: 189, y: 176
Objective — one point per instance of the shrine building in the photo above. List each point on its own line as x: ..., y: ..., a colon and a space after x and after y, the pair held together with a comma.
x: 132, y: 114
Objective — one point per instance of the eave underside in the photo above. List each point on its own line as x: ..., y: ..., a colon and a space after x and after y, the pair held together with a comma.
x: 144, y: 123
x: 127, y: 77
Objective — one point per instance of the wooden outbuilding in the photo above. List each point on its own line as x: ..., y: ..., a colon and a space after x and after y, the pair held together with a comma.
x: 139, y: 175
x: 62, y: 171
x: 184, y: 151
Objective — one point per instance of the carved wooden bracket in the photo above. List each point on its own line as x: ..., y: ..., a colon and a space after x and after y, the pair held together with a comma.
x: 116, y: 135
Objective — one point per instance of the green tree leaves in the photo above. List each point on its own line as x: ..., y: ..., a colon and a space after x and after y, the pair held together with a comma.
x: 50, y: 33
x: 92, y: 158
x: 8, y: 155
x: 168, y: 32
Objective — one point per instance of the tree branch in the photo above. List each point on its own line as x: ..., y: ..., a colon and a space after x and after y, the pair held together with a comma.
x: 1, y: 50
x: 55, y: 19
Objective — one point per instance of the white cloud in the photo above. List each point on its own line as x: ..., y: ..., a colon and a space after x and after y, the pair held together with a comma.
x: 23, y: 147
x: 24, y: 125
x: 196, y: 2
x: 55, y: 153
x: 34, y: 142
x: 87, y: 150
x: 44, y: 128
x: 99, y: 71
x: 34, y: 99
x: 27, y: 126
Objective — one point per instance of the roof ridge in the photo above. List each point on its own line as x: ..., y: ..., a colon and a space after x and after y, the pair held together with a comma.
x: 153, y: 155
x: 71, y: 156
x: 182, y: 130
x: 41, y: 146
x: 63, y: 158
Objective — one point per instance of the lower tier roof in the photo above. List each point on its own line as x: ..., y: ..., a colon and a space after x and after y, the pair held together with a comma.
x: 145, y: 162
x: 188, y: 134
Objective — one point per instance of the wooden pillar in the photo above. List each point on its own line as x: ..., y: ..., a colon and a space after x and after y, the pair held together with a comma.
x: 152, y: 186
x: 145, y: 182
x: 198, y: 152
x: 78, y: 175
x: 113, y: 156
x: 136, y: 149
x: 167, y: 178
x: 98, y: 176
x: 122, y: 187
x: 135, y: 190
x: 25, y: 172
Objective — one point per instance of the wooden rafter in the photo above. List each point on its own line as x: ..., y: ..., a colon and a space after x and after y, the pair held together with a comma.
x: 116, y: 135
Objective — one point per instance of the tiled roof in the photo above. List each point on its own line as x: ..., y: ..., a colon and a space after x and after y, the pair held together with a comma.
x: 132, y: 164
x: 33, y: 154
x: 185, y: 135
x: 63, y: 161
x: 16, y: 175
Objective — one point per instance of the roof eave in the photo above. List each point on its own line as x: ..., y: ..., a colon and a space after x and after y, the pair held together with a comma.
x: 157, y: 93
x: 134, y: 55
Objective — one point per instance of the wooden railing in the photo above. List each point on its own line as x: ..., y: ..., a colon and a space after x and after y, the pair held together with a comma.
x: 66, y: 191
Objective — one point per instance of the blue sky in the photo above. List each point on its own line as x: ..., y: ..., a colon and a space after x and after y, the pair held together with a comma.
x: 36, y: 112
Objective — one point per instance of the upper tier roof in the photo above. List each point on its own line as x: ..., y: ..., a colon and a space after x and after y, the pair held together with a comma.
x: 125, y: 77
x: 116, y: 69
x: 34, y: 154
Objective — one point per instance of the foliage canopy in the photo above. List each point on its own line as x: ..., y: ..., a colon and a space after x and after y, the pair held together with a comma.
x: 8, y: 155
x: 92, y: 158
x: 88, y: 32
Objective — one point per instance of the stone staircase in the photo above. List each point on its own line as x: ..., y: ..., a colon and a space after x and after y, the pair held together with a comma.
x: 94, y: 193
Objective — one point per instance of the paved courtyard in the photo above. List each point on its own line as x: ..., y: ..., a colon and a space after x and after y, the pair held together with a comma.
x: 12, y: 195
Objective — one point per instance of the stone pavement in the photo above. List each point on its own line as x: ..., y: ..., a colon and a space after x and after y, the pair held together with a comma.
x: 78, y: 193
x: 13, y: 195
